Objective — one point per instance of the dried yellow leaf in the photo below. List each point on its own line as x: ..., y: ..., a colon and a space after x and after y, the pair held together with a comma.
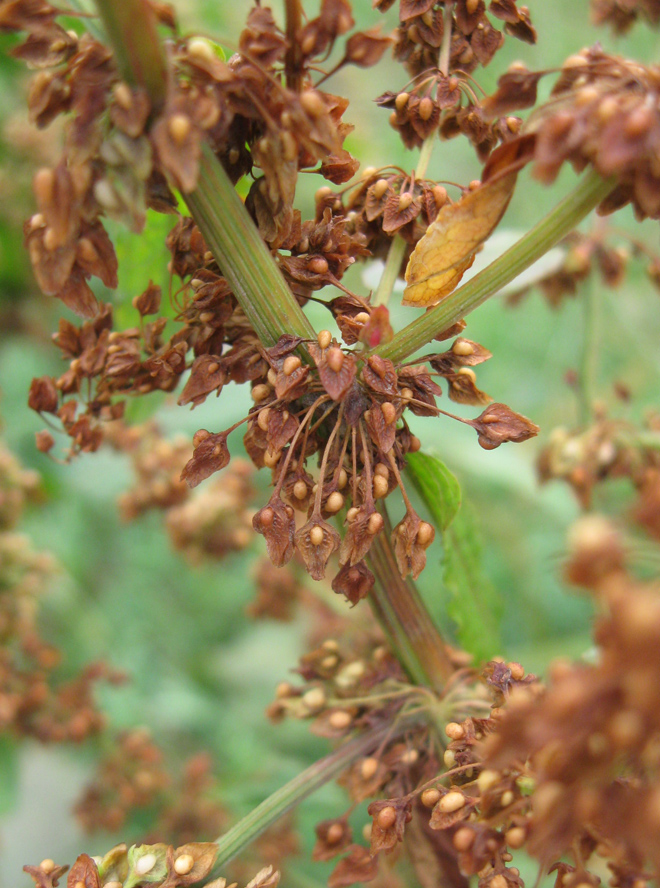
x: 449, y: 246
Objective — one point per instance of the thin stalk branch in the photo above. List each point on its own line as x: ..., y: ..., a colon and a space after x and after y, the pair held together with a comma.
x: 588, y: 193
x: 229, y: 231
x: 291, y: 59
x: 292, y: 793
x: 397, y: 249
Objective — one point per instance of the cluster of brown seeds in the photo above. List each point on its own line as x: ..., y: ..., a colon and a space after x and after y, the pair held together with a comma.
x: 592, y: 738
x: 621, y: 15
x: 472, y: 817
x: 34, y: 701
x: 132, y: 778
x: 155, y: 864
x: 350, y: 415
x: 474, y: 39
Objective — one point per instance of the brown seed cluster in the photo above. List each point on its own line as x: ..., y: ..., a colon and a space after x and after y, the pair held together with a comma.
x: 132, y: 778
x: 607, y: 449
x: 469, y: 819
x: 156, y: 864
x: 210, y: 523
x: 603, y: 112
x: 621, y: 15
x: 35, y: 701
x: 350, y: 416
x: 475, y: 38
x: 592, y: 737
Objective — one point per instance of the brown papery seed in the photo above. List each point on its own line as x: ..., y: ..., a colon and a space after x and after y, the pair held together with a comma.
x: 183, y: 864
x: 179, y: 127
x: 451, y: 802
x: 262, y: 419
x: 389, y: 412
x: 335, y: 831
x: 425, y: 534
x: 455, y: 731
x: 415, y: 444
x: 405, y: 200
x: 342, y: 479
x: 324, y: 338
x: 381, y: 487
x: 300, y: 490
x: 291, y: 364
x: 382, y: 469
x: 335, y: 359
x: 375, y: 523
x: 352, y: 514
x: 47, y: 865
x: 381, y: 185
x: 316, y: 535
x: 463, y: 839
x: 386, y: 817
x: 430, y: 797
x: 426, y: 108
x: 334, y: 502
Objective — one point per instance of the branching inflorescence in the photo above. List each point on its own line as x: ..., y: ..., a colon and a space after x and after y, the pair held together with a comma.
x: 163, y: 123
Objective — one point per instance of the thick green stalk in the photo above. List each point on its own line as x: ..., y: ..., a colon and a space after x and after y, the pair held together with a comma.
x: 231, y: 234
x: 131, y: 29
x: 234, y: 240
x: 588, y: 193
x: 400, y: 610
x: 304, y: 784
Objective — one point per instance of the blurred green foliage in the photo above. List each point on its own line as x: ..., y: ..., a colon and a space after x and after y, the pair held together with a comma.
x: 201, y: 672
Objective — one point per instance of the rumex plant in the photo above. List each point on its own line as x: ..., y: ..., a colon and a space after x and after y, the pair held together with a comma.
x: 463, y: 762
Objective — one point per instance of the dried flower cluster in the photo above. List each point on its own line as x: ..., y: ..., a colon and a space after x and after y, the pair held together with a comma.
x: 132, y: 777
x: 622, y: 14
x: 156, y: 864
x: 35, y: 699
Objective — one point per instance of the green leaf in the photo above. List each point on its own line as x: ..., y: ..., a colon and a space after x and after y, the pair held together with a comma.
x: 475, y: 604
x: 437, y: 486
x: 9, y: 771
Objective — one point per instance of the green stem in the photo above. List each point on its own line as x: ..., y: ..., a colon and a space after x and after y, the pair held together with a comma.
x: 229, y: 231
x: 245, y: 261
x: 304, y: 784
x: 131, y: 29
x: 400, y: 610
x: 588, y: 193
x: 589, y: 362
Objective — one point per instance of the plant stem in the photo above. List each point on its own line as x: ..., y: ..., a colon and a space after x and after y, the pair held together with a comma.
x: 245, y: 261
x: 131, y: 29
x: 229, y: 231
x: 291, y: 65
x: 304, y: 784
x: 588, y: 193
x: 589, y: 362
x: 400, y: 610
